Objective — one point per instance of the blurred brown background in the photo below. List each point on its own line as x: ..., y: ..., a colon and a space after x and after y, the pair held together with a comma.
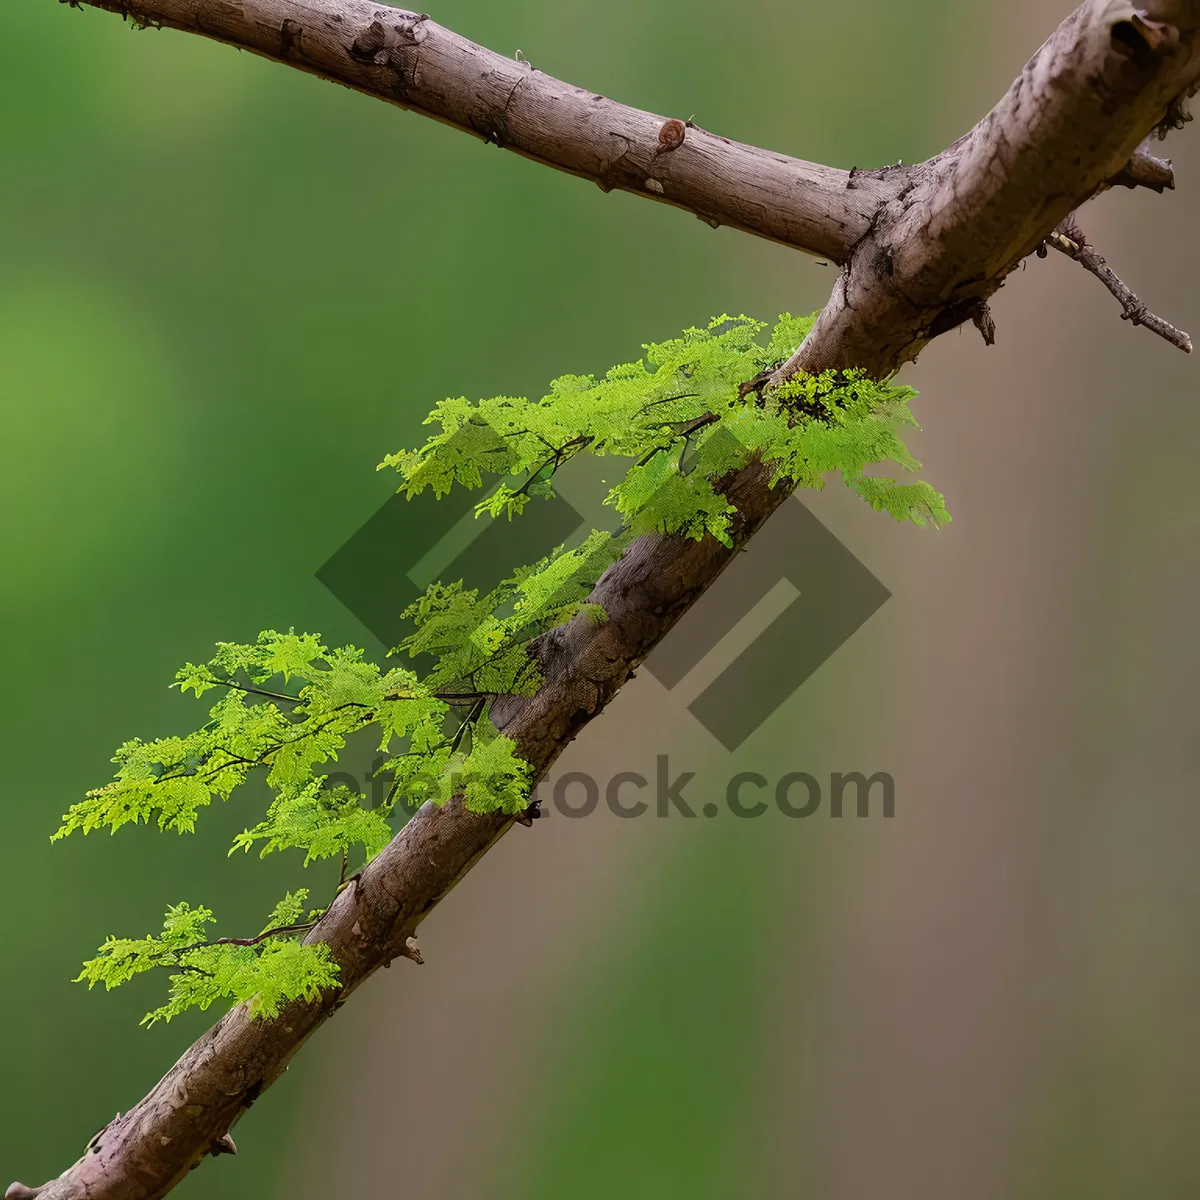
x: 991, y: 995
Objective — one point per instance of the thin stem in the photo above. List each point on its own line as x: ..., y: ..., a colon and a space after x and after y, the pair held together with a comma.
x: 1069, y: 239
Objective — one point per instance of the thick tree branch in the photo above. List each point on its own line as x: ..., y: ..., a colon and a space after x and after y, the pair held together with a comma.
x: 409, y: 60
x: 930, y: 245
x: 1070, y: 123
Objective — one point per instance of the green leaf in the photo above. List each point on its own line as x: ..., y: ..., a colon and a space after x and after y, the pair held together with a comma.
x: 323, y: 822
x: 677, y: 422
x: 264, y: 975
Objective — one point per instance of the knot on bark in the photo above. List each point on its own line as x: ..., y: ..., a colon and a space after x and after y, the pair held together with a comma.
x: 897, y: 173
x: 1143, y: 40
x: 671, y: 135
x: 290, y: 33
x: 389, y: 30
x: 975, y: 310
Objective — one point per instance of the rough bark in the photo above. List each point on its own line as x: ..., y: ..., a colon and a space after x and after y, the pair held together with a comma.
x: 410, y: 60
x: 925, y: 247
x: 961, y: 222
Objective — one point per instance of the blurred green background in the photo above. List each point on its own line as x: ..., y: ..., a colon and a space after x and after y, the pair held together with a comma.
x: 228, y: 289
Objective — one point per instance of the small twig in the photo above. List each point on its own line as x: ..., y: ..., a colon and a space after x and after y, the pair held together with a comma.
x: 1069, y: 240
x: 256, y: 691
x: 278, y: 931
x: 671, y: 399
x: 1145, y: 170
x: 460, y: 733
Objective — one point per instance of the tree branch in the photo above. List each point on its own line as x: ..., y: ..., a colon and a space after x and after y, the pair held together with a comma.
x: 1146, y: 170
x: 1069, y: 239
x: 1107, y: 78
x: 409, y: 60
x: 925, y: 247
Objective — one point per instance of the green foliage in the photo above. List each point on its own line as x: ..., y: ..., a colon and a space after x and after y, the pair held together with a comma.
x: 687, y: 413
x: 323, y: 822
x: 480, y: 641
x: 287, y: 734
x: 681, y: 414
x: 492, y: 777
x: 915, y: 502
x: 263, y: 973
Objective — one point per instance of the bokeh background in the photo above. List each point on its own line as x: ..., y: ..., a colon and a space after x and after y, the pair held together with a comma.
x: 227, y: 290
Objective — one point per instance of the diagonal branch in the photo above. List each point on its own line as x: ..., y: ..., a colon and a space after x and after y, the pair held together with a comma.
x: 930, y: 245
x: 1071, y: 122
x: 409, y: 60
x: 1068, y: 239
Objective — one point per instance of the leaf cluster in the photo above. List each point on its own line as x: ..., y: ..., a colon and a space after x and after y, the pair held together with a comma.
x: 684, y: 415
x: 264, y: 973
